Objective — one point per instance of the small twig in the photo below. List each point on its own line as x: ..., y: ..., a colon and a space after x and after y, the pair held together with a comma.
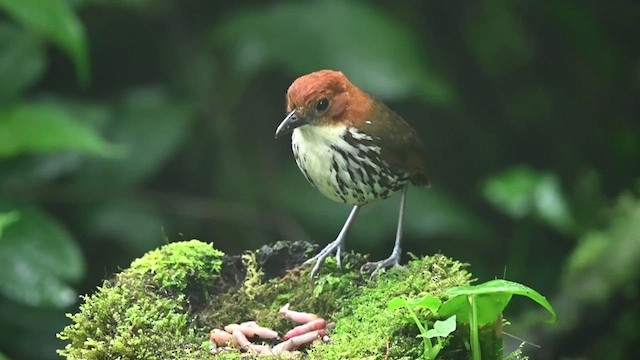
x: 387, y: 355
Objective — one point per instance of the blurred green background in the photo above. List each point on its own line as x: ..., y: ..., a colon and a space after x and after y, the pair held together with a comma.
x: 126, y: 124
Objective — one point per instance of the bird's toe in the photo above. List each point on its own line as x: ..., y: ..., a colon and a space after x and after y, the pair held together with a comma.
x: 379, y: 266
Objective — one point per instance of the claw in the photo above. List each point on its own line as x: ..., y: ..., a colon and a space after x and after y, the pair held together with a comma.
x: 336, y: 246
x: 378, y: 266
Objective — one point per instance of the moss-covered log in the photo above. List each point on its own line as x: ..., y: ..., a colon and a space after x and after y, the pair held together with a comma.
x: 165, y: 304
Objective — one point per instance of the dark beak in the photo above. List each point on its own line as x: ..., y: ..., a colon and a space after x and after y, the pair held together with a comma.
x: 292, y: 121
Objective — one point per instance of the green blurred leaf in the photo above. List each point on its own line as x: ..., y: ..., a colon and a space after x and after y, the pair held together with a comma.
x: 37, y: 322
x: 442, y: 328
x: 589, y: 37
x: 8, y: 218
x: 136, y: 227
x: 551, y: 205
x: 521, y: 192
x: 3, y: 357
x: 512, y: 191
x: 435, y: 212
x: 22, y: 61
x: 378, y: 53
x: 604, y: 261
x: 44, y: 128
x: 491, y: 298
x: 498, y: 38
x: 55, y: 20
x: 37, y: 257
x: 150, y: 126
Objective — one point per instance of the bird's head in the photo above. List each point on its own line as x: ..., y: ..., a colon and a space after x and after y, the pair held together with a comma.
x: 324, y: 98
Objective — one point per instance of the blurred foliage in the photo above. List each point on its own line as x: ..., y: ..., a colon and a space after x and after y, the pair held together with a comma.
x: 125, y: 124
x: 391, y: 67
x: 521, y: 192
x: 604, y: 261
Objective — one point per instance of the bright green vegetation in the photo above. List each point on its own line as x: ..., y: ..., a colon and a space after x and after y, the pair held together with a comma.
x: 165, y: 304
x: 441, y: 329
x: 177, y: 265
x: 365, y: 329
x: 140, y: 314
x: 475, y: 306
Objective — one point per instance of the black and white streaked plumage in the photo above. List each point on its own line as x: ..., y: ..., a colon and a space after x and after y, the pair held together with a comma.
x: 352, y: 148
x: 345, y: 165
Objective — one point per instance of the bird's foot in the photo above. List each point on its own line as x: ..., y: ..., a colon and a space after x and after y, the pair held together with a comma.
x: 377, y: 266
x: 336, y: 246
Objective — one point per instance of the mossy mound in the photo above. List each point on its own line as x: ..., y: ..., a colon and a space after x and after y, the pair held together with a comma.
x: 165, y: 304
x: 146, y: 312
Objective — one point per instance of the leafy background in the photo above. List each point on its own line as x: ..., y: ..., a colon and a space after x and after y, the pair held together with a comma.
x: 125, y: 124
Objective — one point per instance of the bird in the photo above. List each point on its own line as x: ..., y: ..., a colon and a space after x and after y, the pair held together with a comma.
x: 354, y: 150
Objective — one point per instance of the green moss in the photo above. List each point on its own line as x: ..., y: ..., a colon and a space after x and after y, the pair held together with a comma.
x: 179, y: 264
x: 260, y: 301
x: 163, y: 306
x: 136, y: 317
x: 365, y: 329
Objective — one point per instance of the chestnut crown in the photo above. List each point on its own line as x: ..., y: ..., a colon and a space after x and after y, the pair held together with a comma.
x: 327, y: 97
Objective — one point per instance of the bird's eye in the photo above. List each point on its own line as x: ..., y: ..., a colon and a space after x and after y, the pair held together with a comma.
x: 322, y: 105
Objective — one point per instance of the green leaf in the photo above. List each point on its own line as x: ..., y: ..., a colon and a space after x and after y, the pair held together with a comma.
x: 604, y: 261
x: 489, y: 307
x: 491, y: 298
x: 397, y: 303
x: 37, y: 257
x: 442, y: 328
x: 55, y: 20
x: 3, y: 357
x: 380, y: 54
x: 512, y: 191
x: 521, y: 192
x: 433, y: 352
x: 45, y: 128
x: 136, y: 227
x: 150, y: 126
x: 7, y: 219
x: 551, y: 205
x: 22, y: 61
x: 428, y: 302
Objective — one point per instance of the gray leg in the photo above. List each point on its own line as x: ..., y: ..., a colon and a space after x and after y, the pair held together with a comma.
x: 337, y: 245
x: 394, y: 259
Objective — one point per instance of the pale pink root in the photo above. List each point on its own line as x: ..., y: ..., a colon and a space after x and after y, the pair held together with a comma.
x: 220, y: 337
x: 283, y: 354
x: 282, y: 347
x: 231, y: 327
x: 307, y: 338
x: 252, y: 331
x: 316, y: 324
x: 241, y: 340
x: 256, y: 349
x: 296, y: 316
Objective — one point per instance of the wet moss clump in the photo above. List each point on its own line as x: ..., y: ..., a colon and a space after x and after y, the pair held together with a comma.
x: 165, y: 305
x: 146, y: 312
x: 365, y: 329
